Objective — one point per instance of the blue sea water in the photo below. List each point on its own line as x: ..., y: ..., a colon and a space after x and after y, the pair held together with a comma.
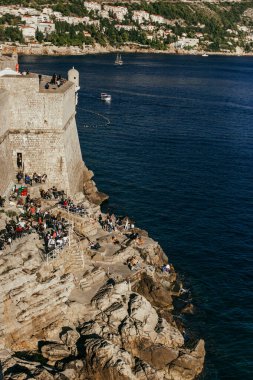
x: 174, y: 151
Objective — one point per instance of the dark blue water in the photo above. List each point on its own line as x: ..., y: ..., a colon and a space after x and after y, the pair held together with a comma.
x: 177, y: 156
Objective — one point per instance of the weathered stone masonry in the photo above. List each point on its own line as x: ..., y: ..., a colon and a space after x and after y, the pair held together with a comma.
x: 41, y: 125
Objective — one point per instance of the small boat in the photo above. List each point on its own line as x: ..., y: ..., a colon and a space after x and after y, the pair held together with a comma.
x: 118, y: 60
x: 105, y: 97
x: 204, y: 55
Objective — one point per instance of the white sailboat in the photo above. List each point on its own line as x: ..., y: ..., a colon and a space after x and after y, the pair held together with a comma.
x: 118, y: 60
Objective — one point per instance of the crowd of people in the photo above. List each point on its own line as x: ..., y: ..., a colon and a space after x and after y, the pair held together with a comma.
x: 56, y: 80
x: 112, y: 223
x: 52, y: 229
x: 69, y: 205
x: 30, y: 180
x: 52, y: 193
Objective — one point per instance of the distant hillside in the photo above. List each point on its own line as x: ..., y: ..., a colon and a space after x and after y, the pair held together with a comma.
x: 209, y: 25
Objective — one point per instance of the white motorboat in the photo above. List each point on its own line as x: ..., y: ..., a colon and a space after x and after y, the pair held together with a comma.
x: 204, y: 55
x: 105, y: 97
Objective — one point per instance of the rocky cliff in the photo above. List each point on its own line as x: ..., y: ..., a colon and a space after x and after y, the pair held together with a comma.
x: 83, y: 314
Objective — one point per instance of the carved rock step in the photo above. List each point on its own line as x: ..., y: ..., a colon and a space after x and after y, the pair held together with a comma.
x: 89, y: 229
x: 96, y: 275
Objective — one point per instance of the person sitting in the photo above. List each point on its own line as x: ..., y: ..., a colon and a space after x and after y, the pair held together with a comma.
x: 43, y: 178
x: 2, y: 201
x: 32, y: 210
x: 53, y: 79
x: 115, y: 240
x: 19, y: 176
x: 47, y: 86
x: 28, y: 199
x: 100, y: 220
x: 59, y: 242
x: 42, y: 193
x: 133, y: 263
x: 39, y: 178
x: 65, y: 239
x: 166, y: 268
x: 35, y: 177
x: 28, y: 180
x: 55, y: 192
x: 20, y: 202
x: 49, y: 194
x: 19, y: 230
x: 51, y: 243
x: 94, y: 245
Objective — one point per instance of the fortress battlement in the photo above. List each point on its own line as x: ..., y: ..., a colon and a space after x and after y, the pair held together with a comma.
x: 38, y: 124
x: 34, y: 107
x: 32, y: 81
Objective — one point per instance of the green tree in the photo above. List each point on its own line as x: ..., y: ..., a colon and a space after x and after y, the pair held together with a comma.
x: 39, y: 36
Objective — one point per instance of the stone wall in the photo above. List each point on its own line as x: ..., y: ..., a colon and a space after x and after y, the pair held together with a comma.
x: 6, y: 167
x: 35, y: 108
x: 41, y: 125
x: 73, y: 156
x: 43, y: 152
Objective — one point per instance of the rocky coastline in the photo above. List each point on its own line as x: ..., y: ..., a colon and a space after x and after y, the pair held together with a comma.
x: 84, y: 314
x: 51, y: 50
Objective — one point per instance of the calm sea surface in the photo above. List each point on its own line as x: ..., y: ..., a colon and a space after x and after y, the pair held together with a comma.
x: 174, y: 150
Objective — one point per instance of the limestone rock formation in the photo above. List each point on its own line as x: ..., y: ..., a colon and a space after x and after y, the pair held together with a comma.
x: 126, y: 339
x: 90, y: 189
x: 78, y: 319
x: 32, y: 295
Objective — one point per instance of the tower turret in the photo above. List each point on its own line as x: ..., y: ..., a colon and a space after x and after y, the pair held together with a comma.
x: 73, y: 76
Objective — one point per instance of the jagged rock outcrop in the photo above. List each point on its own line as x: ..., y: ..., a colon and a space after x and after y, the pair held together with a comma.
x: 126, y: 339
x: 32, y: 296
x: 127, y: 322
x: 90, y: 189
x: 69, y: 319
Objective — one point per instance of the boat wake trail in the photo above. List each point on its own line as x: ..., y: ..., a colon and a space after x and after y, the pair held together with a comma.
x: 99, y: 120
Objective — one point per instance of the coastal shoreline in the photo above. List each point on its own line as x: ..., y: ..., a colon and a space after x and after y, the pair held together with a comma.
x: 43, y: 50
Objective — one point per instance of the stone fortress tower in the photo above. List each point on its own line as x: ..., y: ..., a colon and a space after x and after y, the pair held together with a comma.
x: 39, y: 123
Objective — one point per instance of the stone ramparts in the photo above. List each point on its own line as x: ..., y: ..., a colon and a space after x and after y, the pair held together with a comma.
x: 40, y: 125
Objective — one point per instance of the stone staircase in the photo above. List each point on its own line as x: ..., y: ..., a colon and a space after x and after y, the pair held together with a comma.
x: 76, y: 256
x: 71, y: 253
x: 82, y: 224
x: 87, y: 281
